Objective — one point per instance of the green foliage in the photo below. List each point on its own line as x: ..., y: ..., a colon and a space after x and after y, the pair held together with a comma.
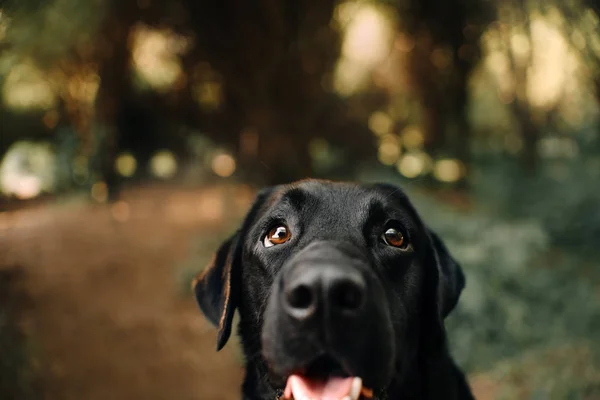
x: 562, y: 196
x: 531, y: 306
x: 48, y: 31
x: 523, y: 295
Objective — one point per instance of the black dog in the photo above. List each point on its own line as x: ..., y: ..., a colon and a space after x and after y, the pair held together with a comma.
x: 342, y: 293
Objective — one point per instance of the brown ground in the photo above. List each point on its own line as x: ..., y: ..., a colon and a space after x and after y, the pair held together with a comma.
x: 107, y: 318
x: 107, y: 314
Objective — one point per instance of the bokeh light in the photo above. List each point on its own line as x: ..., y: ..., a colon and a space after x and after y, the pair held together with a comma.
x: 126, y: 164
x: 411, y: 165
x: 223, y: 165
x: 448, y: 170
x: 99, y: 192
x: 163, y: 164
x: 156, y: 56
x: 380, y: 123
x: 389, y: 150
x: 412, y: 137
x: 26, y: 87
x: 369, y: 31
x: 28, y: 169
x: 368, y: 37
x: 553, y: 63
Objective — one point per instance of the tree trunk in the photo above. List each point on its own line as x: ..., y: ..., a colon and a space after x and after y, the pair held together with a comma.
x: 114, y: 93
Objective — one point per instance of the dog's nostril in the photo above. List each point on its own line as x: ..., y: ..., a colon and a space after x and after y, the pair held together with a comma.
x: 300, y: 297
x: 347, y: 296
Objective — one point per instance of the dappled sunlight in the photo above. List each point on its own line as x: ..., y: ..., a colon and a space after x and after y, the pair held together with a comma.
x: 448, y: 170
x: 27, y: 87
x: 126, y: 164
x: 554, y: 74
x: 156, y: 54
x: 532, y: 70
x: 554, y: 65
x: 368, y: 31
x: 83, y: 86
x: 389, y: 149
x: 380, y: 123
x: 412, y: 137
x: 368, y: 34
x: 27, y: 169
x: 414, y: 164
x: 223, y: 165
x: 163, y: 164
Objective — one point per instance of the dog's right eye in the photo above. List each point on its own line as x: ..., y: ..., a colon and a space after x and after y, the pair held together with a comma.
x: 277, y: 235
x: 393, y: 236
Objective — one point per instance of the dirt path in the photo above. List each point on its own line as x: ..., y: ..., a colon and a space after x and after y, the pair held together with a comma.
x: 107, y: 318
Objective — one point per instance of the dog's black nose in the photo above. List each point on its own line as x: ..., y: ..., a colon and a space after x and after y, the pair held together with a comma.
x: 324, y: 288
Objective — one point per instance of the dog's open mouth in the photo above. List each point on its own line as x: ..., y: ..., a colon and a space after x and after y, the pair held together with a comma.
x: 324, y: 379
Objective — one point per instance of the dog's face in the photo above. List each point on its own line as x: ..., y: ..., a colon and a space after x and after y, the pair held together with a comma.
x: 339, y: 287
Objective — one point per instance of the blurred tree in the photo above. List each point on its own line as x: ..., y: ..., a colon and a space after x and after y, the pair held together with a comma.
x: 446, y: 37
x: 518, y: 15
x: 256, y: 76
x: 270, y: 59
x: 582, y: 31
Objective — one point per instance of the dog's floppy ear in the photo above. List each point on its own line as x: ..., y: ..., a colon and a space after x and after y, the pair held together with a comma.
x: 217, y: 288
x: 451, y: 280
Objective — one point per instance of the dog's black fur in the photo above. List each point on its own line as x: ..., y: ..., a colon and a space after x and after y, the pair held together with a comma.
x: 397, y: 344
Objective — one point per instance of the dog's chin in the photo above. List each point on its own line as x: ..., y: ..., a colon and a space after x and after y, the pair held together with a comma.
x: 325, y: 379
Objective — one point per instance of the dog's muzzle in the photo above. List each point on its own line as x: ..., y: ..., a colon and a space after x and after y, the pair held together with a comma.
x: 327, y: 326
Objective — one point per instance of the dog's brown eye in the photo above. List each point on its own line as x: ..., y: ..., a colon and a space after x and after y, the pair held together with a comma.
x: 393, y: 237
x: 277, y: 235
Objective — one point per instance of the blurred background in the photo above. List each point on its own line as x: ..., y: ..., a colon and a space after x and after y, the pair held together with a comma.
x: 134, y: 134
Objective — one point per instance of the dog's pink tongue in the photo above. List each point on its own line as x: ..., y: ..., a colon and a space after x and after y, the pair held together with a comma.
x: 334, y: 388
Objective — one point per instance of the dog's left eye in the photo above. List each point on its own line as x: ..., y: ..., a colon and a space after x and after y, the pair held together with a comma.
x: 393, y: 237
x: 277, y: 235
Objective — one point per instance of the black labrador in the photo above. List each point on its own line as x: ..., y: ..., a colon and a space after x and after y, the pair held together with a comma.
x: 342, y: 292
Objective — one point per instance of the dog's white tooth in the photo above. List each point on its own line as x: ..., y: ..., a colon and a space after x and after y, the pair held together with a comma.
x: 356, y: 387
x: 347, y: 398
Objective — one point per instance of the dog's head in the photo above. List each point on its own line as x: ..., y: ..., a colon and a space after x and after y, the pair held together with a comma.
x: 341, y: 288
